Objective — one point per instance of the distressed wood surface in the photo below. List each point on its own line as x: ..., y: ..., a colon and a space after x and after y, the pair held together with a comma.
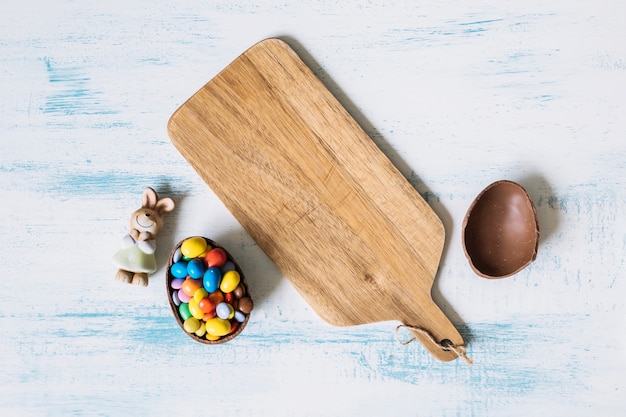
x: 457, y: 95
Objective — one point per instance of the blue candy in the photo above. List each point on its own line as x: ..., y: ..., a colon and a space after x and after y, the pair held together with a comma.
x: 212, y: 279
x: 195, y: 268
x: 239, y: 316
x: 224, y: 311
x: 179, y: 269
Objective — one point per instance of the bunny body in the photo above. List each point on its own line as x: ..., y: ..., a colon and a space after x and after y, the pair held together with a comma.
x: 136, y: 259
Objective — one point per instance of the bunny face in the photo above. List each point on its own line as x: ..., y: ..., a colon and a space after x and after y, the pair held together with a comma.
x: 148, y: 220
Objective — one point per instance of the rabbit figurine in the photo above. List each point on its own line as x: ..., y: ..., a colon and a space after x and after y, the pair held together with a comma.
x: 136, y: 259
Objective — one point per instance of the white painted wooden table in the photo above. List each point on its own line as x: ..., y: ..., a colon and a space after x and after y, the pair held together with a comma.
x: 457, y: 94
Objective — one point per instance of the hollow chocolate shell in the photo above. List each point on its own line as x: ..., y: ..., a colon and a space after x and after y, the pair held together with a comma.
x: 500, y: 231
x: 223, y: 319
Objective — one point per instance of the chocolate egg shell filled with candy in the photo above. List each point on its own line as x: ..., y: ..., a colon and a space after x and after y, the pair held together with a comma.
x: 202, y: 275
x: 500, y: 231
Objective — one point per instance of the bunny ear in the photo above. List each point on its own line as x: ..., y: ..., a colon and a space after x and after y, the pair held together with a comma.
x: 150, y: 198
x: 164, y: 205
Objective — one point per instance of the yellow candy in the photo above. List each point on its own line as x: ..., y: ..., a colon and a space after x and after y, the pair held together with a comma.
x: 193, y: 247
x: 191, y: 325
x: 230, y: 281
x: 194, y: 309
x: 201, y: 330
x: 200, y: 294
x: 217, y: 327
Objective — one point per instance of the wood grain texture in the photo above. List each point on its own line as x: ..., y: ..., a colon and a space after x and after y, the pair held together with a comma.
x: 456, y: 94
x: 316, y: 194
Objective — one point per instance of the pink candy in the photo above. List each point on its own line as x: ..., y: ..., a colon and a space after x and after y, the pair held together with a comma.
x: 183, y: 297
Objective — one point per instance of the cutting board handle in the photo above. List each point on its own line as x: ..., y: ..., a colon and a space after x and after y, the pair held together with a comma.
x: 437, y: 333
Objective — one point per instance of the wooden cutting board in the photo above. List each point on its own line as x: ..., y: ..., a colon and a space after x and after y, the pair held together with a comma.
x: 316, y: 194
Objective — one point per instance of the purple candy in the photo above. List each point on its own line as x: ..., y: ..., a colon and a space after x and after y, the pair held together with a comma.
x: 177, y: 283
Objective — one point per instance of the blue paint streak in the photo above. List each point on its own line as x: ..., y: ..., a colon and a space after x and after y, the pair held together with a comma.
x: 112, y: 182
x: 72, y: 95
x: 480, y: 22
x: 477, y: 30
x: 523, y: 359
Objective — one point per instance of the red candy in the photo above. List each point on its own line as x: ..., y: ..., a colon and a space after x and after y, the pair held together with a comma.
x: 233, y: 326
x: 209, y: 315
x: 215, y: 257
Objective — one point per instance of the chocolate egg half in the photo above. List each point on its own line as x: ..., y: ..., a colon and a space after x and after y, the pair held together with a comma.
x: 198, y: 314
x: 500, y: 231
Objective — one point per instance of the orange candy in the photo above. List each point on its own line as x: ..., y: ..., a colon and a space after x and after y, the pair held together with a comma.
x: 190, y: 286
x: 206, y: 305
x: 216, y: 297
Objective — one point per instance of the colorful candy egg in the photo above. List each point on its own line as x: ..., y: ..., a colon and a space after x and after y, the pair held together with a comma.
x: 175, y: 298
x: 183, y: 310
x: 206, y: 305
x: 216, y: 297
x: 228, y: 266
x: 217, y: 326
x: 194, y: 309
x: 239, y: 316
x: 209, y: 315
x: 191, y: 325
x: 177, y: 255
x: 225, y: 311
x: 212, y: 279
x: 200, y: 294
x: 239, y: 291
x: 201, y: 330
x: 182, y: 296
x: 190, y: 286
x: 230, y: 281
x: 215, y: 257
x: 195, y: 268
x: 177, y: 283
x: 193, y: 247
x: 179, y: 269
x: 234, y: 325
x: 245, y: 305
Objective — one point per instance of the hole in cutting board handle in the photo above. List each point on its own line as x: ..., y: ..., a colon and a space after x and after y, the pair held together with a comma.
x: 445, y: 350
x: 445, y: 344
x: 435, y: 332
